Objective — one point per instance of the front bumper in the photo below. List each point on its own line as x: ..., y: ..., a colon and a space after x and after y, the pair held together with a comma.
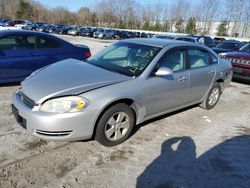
x: 58, y: 127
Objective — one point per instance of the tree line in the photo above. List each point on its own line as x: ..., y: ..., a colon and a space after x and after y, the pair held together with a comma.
x: 179, y: 16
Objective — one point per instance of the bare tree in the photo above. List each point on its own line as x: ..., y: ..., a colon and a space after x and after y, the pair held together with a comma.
x: 208, y: 12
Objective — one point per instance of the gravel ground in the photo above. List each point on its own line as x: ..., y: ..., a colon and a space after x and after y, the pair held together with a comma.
x: 188, y: 148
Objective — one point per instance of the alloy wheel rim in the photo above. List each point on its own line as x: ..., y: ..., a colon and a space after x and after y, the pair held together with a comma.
x: 214, y: 96
x: 117, y: 126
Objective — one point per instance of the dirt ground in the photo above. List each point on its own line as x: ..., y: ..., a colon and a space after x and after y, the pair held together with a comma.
x: 188, y: 148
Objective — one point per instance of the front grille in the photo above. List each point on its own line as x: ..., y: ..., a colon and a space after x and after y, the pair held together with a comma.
x: 18, y: 118
x: 239, y: 61
x: 26, y: 100
x: 54, y: 133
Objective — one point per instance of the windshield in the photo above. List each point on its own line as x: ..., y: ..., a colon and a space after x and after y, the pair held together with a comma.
x: 228, y: 45
x: 245, y: 48
x: 125, y: 58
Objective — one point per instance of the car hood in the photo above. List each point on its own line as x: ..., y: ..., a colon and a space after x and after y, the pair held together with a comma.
x: 67, y: 77
x: 238, y: 55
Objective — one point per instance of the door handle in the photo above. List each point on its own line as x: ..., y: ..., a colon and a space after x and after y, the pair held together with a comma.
x: 211, y: 72
x: 182, y: 79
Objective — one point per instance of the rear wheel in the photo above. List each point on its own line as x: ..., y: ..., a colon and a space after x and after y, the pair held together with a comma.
x: 212, y: 98
x: 115, y: 125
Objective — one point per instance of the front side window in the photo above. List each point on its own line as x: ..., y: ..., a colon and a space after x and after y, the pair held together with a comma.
x: 198, y: 58
x: 45, y: 43
x: 18, y: 42
x: 125, y: 58
x: 174, y: 60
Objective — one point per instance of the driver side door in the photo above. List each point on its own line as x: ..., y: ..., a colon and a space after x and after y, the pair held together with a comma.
x: 167, y: 93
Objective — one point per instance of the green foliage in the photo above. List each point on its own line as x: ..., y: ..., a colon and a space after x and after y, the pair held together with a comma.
x: 222, y: 29
x: 25, y: 11
x: 191, y: 26
x: 166, y: 26
x: 146, y: 25
x: 179, y: 26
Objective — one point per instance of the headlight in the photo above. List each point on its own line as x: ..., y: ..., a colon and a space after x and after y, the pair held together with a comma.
x: 65, y: 105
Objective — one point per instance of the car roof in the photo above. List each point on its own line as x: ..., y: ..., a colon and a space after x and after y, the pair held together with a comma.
x: 16, y: 31
x: 19, y: 31
x: 159, y: 42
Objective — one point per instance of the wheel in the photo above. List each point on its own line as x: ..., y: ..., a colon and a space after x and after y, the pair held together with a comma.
x: 212, y: 98
x: 115, y: 125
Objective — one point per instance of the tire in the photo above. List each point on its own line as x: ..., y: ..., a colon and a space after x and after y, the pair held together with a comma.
x: 111, y: 131
x: 212, y: 98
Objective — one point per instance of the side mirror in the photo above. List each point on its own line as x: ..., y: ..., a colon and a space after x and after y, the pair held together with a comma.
x: 163, y: 71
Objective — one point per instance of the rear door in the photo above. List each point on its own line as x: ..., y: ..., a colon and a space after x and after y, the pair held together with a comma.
x: 202, y: 74
x: 18, y: 57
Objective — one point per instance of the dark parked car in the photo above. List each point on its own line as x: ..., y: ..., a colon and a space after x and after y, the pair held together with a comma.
x: 227, y: 46
x: 119, y: 35
x: 42, y: 27
x: 22, y: 52
x: 49, y: 29
x: 218, y: 40
x: 87, y: 32
x: 58, y: 28
x: 206, y: 40
x: 64, y: 30
x: 3, y: 22
x: 40, y: 24
x: 240, y: 61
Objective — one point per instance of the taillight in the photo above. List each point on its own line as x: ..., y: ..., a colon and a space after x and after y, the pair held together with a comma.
x: 87, y: 54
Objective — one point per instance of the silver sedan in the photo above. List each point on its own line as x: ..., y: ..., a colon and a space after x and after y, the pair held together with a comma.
x: 124, y: 85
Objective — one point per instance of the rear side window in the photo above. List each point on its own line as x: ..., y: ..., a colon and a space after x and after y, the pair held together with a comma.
x: 174, y: 60
x: 18, y: 42
x: 46, y: 42
x: 198, y: 58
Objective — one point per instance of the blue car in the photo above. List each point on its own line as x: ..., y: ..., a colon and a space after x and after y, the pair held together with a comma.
x: 22, y: 52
